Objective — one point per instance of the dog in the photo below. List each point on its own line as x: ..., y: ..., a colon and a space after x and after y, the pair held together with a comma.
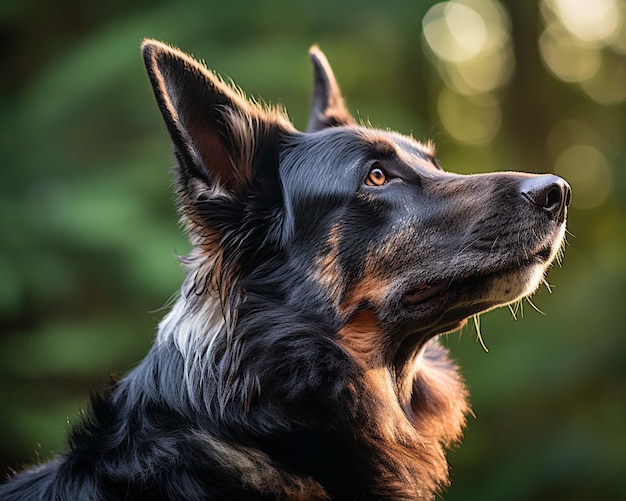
x: 301, y: 360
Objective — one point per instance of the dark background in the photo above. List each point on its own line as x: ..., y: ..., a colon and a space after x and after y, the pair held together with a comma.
x: 88, y: 231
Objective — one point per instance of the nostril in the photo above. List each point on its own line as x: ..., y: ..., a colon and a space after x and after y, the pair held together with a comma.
x: 568, y: 195
x: 548, y: 192
x: 553, y: 197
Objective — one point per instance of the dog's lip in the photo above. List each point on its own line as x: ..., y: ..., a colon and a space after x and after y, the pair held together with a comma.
x: 426, y: 292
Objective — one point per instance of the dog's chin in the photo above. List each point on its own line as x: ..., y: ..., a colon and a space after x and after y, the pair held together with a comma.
x: 444, y: 305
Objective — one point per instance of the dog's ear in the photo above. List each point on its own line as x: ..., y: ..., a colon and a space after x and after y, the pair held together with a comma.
x: 215, y: 130
x: 327, y: 106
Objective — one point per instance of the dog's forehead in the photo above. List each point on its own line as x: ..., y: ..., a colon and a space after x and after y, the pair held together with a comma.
x: 351, y: 146
x: 395, y: 144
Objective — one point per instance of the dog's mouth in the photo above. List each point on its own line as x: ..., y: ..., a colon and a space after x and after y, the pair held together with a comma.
x: 425, y: 292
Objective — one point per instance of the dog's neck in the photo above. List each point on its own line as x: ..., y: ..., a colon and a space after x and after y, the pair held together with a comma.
x: 408, y: 415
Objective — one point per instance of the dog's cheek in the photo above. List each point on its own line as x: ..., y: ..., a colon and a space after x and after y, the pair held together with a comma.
x: 326, y: 270
x: 371, y: 292
x: 361, y: 336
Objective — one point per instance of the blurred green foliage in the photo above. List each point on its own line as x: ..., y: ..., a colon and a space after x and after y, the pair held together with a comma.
x: 89, y: 234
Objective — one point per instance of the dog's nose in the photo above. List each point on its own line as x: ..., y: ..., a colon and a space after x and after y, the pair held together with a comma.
x: 548, y: 192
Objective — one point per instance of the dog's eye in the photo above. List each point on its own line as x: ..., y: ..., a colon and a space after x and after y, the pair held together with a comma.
x: 376, y: 176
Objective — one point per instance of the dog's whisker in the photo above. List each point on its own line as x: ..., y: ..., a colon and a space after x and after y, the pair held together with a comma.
x: 534, y: 306
x: 513, y: 309
x: 495, y: 240
x: 547, y: 284
x: 476, y: 319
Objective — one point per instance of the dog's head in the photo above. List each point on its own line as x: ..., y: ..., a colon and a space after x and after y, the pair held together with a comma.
x: 344, y: 221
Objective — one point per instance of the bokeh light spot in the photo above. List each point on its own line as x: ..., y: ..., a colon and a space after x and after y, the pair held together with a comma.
x: 587, y: 170
x: 583, y: 43
x: 455, y: 32
x: 590, y: 20
x: 469, y: 43
x: 474, y: 120
x: 564, y: 56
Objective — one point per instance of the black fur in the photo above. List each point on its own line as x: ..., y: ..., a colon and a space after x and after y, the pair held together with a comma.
x: 301, y: 359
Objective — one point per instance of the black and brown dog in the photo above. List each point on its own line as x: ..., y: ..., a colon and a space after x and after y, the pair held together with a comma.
x: 301, y: 360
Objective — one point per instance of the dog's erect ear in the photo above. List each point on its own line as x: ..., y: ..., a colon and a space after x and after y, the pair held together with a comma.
x: 327, y: 106
x: 215, y: 130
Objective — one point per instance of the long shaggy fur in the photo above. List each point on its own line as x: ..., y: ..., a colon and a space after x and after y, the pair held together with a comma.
x: 301, y: 360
